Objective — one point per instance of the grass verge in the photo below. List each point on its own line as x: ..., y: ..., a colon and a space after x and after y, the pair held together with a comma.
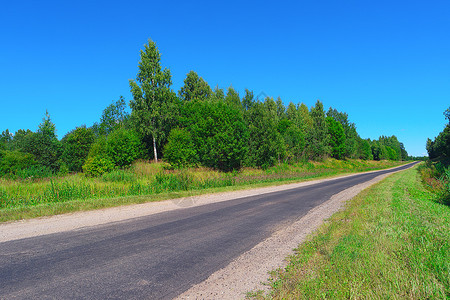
x: 147, y: 182
x: 392, y: 241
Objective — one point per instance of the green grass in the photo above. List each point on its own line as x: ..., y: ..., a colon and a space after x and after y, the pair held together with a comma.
x: 391, y: 242
x: 146, y: 182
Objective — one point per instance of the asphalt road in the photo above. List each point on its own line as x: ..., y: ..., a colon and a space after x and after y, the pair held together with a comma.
x: 154, y: 257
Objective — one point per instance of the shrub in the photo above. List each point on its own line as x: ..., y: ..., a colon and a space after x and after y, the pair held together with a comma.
x: 11, y: 162
x: 445, y: 180
x: 76, y: 146
x: 218, y: 132
x: 123, y: 147
x: 180, y: 150
x: 98, y: 148
x: 44, y: 144
x: 97, y: 165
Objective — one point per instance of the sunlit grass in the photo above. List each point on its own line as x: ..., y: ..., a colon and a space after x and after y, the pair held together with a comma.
x: 391, y: 242
x: 146, y: 178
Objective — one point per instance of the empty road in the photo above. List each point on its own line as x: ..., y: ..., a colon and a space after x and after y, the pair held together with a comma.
x: 157, y: 256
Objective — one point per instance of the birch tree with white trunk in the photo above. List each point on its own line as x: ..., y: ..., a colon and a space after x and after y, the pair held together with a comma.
x: 154, y: 102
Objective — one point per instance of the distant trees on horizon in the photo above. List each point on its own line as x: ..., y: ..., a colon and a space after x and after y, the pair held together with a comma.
x: 197, y: 126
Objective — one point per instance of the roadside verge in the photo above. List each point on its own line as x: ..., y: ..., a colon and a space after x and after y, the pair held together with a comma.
x: 250, y: 270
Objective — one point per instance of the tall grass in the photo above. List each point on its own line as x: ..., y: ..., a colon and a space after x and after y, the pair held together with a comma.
x: 436, y: 178
x: 391, y: 242
x: 144, y: 178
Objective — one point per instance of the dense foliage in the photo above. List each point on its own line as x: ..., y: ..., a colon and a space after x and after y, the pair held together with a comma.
x: 197, y: 126
x: 436, y: 172
x: 76, y: 147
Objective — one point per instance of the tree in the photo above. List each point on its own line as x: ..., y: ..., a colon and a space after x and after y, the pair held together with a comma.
x: 393, y: 143
x: 195, y: 88
x: 351, y: 136
x: 271, y: 107
x: 232, y: 98
x: 5, y: 137
x: 337, y: 138
x: 292, y: 114
x: 294, y: 141
x: 281, y: 110
x: 218, y: 94
x: 218, y: 132
x: 439, y: 148
x: 248, y: 100
x: 391, y: 153
x: 154, y: 104
x: 265, y: 143
x: 20, y: 139
x: 44, y: 144
x: 317, y: 138
x: 123, y: 146
x: 180, y: 150
x: 447, y: 114
x: 76, y: 145
x: 305, y: 118
x: 365, y: 150
x: 430, y: 149
x: 404, y: 153
x: 113, y: 116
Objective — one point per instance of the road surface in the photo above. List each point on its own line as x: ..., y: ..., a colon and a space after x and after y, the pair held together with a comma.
x: 154, y: 257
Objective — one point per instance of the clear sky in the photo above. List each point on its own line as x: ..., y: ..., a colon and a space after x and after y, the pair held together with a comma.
x: 385, y: 63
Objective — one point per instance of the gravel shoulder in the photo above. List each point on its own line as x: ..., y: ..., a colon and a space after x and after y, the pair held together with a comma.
x: 245, y: 273
x: 250, y: 271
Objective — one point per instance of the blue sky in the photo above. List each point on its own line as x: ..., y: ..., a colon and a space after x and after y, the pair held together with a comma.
x: 385, y: 63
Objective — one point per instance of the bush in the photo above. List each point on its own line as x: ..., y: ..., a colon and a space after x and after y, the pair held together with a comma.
x: 44, y: 144
x: 12, y: 162
x: 76, y: 146
x: 445, y: 194
x: 98, y: 148
x: 218, y: 132
x: 180, y: 150
x: 123, y: 147
x: 97, y: 165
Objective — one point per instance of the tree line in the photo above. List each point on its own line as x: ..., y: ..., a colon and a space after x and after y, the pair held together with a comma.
x: 439, y: 148
x: 197, y: 126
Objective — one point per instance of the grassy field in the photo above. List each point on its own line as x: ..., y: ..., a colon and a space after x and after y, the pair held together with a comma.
x: 391, y: 242
x: 145, y: 182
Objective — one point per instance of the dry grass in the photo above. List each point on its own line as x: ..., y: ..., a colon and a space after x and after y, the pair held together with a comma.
x: 147, y: 178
